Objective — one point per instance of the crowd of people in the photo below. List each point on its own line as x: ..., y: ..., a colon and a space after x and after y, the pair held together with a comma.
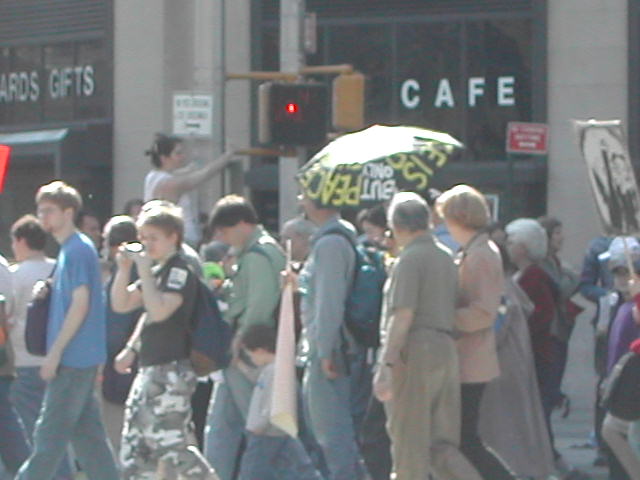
x: 458, y: 380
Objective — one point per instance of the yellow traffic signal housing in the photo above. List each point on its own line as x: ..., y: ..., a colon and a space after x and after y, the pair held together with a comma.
x: 348, y: 102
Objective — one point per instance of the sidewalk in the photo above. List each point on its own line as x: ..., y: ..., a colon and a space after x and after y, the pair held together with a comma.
x: 572, y: 433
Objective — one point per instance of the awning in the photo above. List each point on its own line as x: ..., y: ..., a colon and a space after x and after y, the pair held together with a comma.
x: 35, y: 142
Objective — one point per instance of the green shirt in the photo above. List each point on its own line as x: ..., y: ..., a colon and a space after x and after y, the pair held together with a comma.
x: 253, y: 291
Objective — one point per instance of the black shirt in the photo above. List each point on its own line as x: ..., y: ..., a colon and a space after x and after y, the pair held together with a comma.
x: 168, y: 340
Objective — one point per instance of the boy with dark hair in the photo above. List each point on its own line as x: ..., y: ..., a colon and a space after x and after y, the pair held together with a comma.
x: 270, y: 453
x: 252, y: 295
x: 28, y: 240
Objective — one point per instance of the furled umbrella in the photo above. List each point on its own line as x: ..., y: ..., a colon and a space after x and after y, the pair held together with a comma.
x: 367, y: 167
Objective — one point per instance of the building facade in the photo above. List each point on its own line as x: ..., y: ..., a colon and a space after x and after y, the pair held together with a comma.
x: 84, y: 85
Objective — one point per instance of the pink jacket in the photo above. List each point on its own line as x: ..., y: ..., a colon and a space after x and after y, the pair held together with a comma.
x: 481, y: 286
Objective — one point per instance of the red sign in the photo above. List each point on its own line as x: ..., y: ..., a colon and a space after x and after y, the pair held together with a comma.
x: 530, y: 138
x: 4, y: 164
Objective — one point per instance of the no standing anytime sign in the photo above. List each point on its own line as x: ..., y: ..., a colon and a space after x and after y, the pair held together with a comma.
x: 527, y: 138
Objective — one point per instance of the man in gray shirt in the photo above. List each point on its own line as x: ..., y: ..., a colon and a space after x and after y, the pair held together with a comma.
x: 324, y: 283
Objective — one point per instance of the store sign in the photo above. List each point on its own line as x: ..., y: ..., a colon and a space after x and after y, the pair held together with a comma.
x: 56, y: 83
x: 192, y: 114
x: 412, y: 94
x: 529, y: 138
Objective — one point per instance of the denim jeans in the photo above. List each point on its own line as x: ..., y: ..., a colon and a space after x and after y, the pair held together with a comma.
x: 329, y: 409
x: 276, y: 458
x: 70, y: 413
x: 27, y: 393
x: 361, y: 375
x: 224, y: 430
x: 14, y: 449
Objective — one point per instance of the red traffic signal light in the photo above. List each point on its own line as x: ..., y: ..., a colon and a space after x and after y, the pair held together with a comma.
x: 292, y: 108
x: 293, y: 114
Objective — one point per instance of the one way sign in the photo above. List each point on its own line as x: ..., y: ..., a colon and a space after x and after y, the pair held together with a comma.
x: 192, y: 114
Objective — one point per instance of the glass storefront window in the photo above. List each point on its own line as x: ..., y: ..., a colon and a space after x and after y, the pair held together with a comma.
x: 463, y: 76
x: 428, y: 91
x: 369, y: 49
x: 499, y: 85
x: 61, y: 81
x: 92, y: 95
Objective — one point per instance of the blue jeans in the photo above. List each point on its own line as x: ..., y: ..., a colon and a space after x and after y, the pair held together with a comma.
x: 276, y: 458
x: 329, y: 409
x: 361, y: 375
x: 27, y: 393
x: 14, y: 449
x: 70, y: 413
x: 224, y: 429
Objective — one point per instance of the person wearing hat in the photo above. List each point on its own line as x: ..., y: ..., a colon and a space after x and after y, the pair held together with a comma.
x: 623, y: 331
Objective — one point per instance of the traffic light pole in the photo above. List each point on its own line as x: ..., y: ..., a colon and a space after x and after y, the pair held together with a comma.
x: 292, y: 60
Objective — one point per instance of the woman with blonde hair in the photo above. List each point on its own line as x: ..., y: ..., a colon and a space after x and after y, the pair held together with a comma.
x: 481, y: 286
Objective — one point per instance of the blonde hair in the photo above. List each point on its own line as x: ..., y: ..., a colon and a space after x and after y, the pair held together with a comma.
x: 465, y: 206
x: 165, y: 216
x: 60, y: 194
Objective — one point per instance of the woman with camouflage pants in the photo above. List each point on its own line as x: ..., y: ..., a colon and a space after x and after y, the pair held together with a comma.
x: 157, y: 437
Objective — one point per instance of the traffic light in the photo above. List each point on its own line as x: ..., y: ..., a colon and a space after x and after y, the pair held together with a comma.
x: 293, y: 114
x: 348, y: 102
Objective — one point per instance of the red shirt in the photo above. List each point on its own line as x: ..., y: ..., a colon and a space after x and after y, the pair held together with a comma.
x: 539, y: 287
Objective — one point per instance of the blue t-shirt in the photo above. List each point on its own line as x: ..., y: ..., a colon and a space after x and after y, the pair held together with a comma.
x: 78, y: 265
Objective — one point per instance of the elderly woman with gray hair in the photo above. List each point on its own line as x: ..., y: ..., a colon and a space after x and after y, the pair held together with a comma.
x: 527, y: 247
x: 418, y: 372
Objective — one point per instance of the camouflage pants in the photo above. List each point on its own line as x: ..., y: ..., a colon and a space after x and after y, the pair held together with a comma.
x: 157, y: 435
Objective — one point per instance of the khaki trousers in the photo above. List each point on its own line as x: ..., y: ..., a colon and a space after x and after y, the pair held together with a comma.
x: 423, y: 418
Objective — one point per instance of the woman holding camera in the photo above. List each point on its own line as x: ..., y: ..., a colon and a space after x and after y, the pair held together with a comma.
x: 157, y: 427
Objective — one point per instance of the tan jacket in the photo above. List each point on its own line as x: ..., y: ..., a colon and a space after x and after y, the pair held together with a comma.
x: 481, y: 286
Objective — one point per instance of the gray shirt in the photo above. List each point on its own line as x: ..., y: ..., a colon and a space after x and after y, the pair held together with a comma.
x: 324, y: 283
x: 259, y: 416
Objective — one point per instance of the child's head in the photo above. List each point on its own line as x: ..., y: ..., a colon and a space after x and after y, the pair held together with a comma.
x: 259, y: 341
x: 619, y: 264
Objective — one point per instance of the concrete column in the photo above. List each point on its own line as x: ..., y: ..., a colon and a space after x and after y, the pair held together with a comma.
x: 138, y: 92
x: 587, y: 77
x: 166, y: 46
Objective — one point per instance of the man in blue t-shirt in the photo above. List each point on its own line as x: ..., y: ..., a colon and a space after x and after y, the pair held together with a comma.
x: 76, y: 346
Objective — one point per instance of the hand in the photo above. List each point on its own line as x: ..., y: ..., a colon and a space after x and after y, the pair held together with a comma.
x: 288, y: 277
x: 382, y: 384
x: 124, y: 360
x: 329, y: 368
x: 143, y: 262
x: 39, y: 289
x: 634, y: 286
x: 49, y: 368
x: 123, y: 258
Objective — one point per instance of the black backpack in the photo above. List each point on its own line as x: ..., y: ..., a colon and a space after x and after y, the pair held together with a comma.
x: 210, y: 333
x: 621, y: 389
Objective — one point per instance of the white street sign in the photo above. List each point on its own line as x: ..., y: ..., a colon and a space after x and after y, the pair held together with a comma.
x: 192, y: 114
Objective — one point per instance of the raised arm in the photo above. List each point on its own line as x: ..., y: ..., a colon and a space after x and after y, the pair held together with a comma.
x: 187, y: 180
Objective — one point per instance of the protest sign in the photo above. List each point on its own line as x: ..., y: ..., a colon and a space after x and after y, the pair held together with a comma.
x: 604, y: 148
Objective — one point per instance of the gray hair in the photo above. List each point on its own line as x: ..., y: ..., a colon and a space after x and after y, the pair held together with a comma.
x: 299, y: 226
x: 528, y: 232
x: 408, y: 211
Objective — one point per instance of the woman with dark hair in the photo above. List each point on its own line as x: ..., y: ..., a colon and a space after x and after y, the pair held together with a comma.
x: 171, y: 180
x: 566, y: 282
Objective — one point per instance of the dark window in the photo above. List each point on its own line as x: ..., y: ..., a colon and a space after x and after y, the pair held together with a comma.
x: 59, y: 83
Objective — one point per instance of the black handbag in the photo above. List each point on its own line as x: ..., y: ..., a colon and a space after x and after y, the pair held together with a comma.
x: 35, y: 332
